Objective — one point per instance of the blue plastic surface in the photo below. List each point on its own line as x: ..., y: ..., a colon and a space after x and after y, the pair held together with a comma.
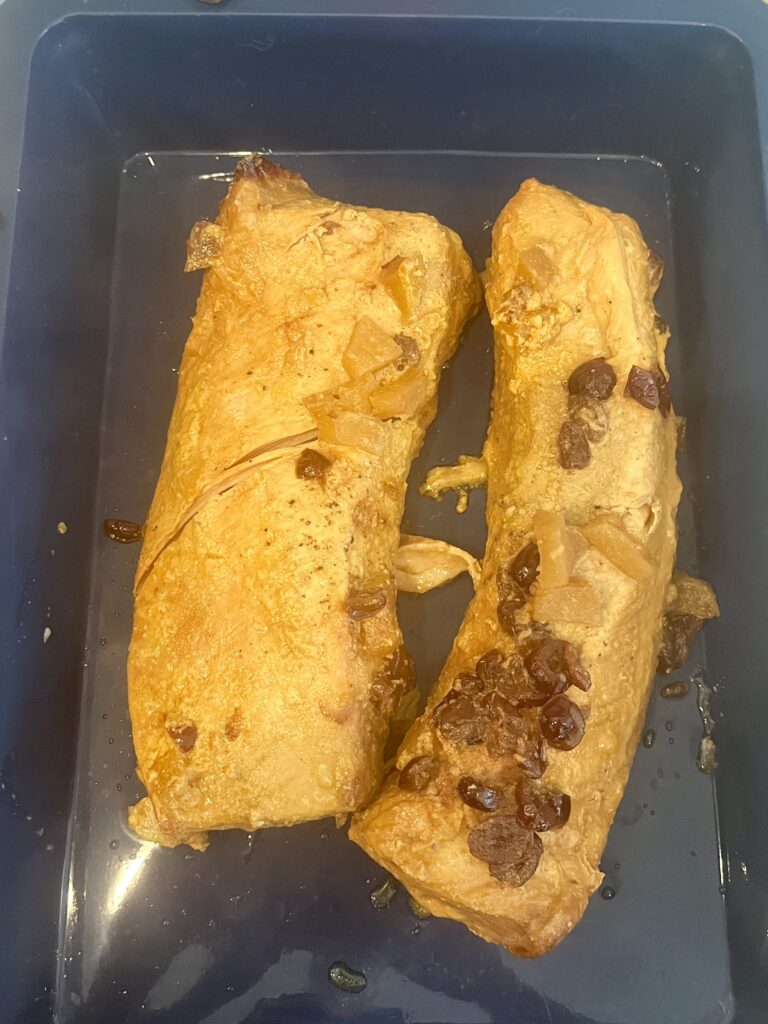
x: 95, y: 312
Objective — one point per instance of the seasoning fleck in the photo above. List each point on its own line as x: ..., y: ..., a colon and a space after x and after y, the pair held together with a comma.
x: 346, y: 978
x: 649, y: 738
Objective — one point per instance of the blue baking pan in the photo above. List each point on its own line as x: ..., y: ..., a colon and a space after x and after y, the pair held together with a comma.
x: 120, y: 124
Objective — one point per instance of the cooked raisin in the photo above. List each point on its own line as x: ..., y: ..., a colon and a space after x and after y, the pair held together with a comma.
x: 562, y: 723
x: 541, y: 808
x: 184, y: 735
x: 123, y: 531
x: 665, y: 402
x: 546, y: 660
x: 573, y: 445
x: 460, y: 719
x: 534, y: 760
x: 506, y: 612
x: 643, y: 387
x: 312, y: 465
x: 524, y: 567
x: 596, y: 379
x: 489, y: 667
x: 476, y: 795
x: 363, y: 604
x: 591, y: 415
x: 511, y: 852
x: 575, y: 672
x: 503, y: 672
x: 677, y: 635
x: 394, y: 679
x: 411, y: 352
x: 418, y: 773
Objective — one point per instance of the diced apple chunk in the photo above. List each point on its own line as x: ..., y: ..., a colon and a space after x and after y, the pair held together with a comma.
x: 370, y: 348
x: 403, y: 277
x: 404, y: 396
x: 556, y: 552
x: 355, y: 430
x: 577, y: 602
x: 608, y: 536
x: 354, y: 396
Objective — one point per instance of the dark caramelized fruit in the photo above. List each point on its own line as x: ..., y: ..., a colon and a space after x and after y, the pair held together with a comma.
x: 418, y: 773
x: 411, y: 352
x: 541, y: 808
x: 665, y: 402
x: 394, y: 680
x: 562, y: 723
x: 184, y: 735
x: 476, y: 795
x: 596, y: 379
x: 520, y: 573
x: 511, y: 852
x: 460, y: 719
x: 312, y: 465
x: 363, y: 604
x: 123, y: 531
x: 573, y: 445
x: 643, y: 387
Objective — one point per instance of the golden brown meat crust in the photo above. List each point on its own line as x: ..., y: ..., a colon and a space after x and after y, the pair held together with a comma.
x: 256, y: 698
x: 568, y: 283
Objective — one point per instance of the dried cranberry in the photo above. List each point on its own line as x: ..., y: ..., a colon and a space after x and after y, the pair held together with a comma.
x: 363, y: 604
x: 183, y: 735
x: 677, y: 635
x: 562, y: 723
x: 511, y: 852
x: 418, y: 773
x: 642, y: 386
x: 312, y: 465
x: 460, y: 719
x: 123, y: 531
x: 573, y: 445
x: 665, y: 402
x: 575, y: 672
x: 476, y: 795
x: 541, y: 808
x: 597, y: 379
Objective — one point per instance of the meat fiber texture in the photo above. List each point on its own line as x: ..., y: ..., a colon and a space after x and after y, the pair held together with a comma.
x: 567, y: 283
x: 255, y: 698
